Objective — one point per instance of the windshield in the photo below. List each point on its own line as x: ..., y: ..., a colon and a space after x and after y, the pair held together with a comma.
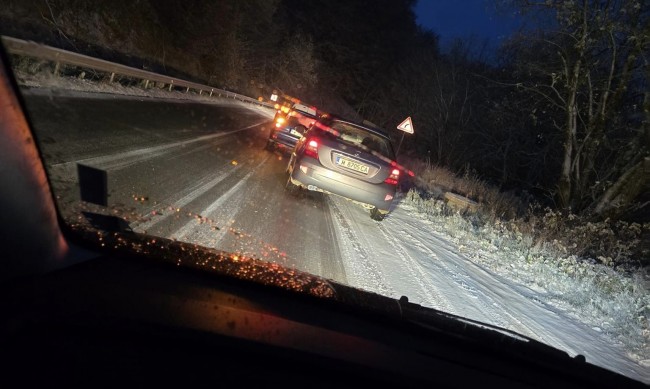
x: 512, y: 188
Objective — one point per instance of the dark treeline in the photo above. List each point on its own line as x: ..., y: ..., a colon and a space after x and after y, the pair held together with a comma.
x: 563, y: 114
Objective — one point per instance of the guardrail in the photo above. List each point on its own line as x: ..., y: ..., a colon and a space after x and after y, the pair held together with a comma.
x: 60, y: 56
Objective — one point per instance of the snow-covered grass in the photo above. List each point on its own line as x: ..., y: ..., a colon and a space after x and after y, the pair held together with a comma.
x: 436, y: 180
x: 610, y: 301
x: 610, y: 242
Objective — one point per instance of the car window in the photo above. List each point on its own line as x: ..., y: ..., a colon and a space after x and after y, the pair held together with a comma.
x: 304, y: 110
x: 359, y: 136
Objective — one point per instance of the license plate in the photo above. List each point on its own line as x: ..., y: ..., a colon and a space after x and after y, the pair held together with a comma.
x: 352, y: 165
x: 296, y: 133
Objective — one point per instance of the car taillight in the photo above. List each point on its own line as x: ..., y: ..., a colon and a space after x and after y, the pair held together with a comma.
x: 392, y: 179
x: 311, y: 148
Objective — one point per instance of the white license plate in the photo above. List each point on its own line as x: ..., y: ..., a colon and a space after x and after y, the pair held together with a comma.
x: 352, y: 165
x: 296, y: 133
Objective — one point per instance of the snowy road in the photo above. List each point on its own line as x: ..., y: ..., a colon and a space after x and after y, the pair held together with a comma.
x: 199, y: 173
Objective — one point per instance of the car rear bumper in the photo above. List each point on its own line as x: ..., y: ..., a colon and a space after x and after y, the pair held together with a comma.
x: 310, y: 174
x: 283, y: 139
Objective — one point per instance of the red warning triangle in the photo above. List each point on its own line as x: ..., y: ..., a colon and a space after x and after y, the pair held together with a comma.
x: 406, y: 126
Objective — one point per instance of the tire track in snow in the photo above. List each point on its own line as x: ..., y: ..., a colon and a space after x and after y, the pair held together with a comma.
x: 491, y: 300
x: 359, y: 265
x: 188, y: 229
x: 128, y: 158
x: 210, y: 238
x: 463, y: 281
x: 187, y: 197
x: 431, y: 294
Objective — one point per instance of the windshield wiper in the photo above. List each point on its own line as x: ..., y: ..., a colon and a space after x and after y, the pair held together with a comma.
x: 434, y: 321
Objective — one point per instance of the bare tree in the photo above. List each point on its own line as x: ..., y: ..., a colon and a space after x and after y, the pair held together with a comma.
x: 591, y: 70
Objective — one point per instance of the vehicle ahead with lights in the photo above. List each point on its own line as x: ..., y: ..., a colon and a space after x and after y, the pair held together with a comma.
x: 288, y: 129
x: 349, y: 160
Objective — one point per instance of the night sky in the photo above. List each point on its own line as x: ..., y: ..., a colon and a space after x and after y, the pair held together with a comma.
x: 462, y: 18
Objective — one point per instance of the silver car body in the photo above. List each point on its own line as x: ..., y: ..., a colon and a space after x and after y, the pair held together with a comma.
x: 352, y: 161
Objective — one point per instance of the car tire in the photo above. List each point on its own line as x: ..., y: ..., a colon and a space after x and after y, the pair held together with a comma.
x: 291, y: 188
x: 375, y: 214
x: 288, y: 170
x: 270, y: 146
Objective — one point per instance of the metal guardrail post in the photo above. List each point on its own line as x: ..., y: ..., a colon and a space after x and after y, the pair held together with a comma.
x: 59, y: 57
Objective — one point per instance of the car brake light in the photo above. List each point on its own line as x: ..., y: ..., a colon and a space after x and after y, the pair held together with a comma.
x: 311, y: 150
x: 392, y: 179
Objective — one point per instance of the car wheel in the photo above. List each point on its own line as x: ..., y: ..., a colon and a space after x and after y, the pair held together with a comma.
x: 290, y: 187
x: 375, y: 214
x: 289, y: 169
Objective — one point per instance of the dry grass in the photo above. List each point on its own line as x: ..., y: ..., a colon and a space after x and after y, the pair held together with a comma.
x: 494, y: 204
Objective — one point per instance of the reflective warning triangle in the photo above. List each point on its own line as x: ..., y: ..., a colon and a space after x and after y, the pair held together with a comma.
x: 406, y: 126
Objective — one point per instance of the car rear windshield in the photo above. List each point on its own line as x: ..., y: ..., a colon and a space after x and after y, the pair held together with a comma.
x: 358, y: 136
x: 305, y: 110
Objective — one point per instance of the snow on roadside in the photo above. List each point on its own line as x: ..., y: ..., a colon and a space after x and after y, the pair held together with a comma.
x: 429, y: 258
x: 611, y: 303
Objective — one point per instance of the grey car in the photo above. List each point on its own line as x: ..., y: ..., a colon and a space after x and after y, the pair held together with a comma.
x: 346, y: 159
x: 287, y: 129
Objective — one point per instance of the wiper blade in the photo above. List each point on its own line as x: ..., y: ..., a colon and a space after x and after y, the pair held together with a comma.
x: 435, y: 321
x: 474, y: 330
x: 416, y: 313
